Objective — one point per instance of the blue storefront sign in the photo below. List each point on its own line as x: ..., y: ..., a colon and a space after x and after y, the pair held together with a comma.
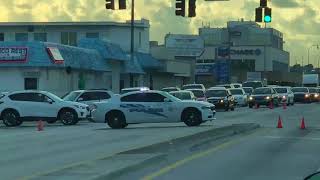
x: 220, y: 69
x: 205, y: 69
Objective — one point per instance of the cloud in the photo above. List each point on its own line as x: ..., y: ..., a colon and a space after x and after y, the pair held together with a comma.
x: 286, y: 3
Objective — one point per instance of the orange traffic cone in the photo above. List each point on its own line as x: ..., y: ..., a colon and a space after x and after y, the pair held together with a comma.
x: 302, y: 126
x: 40, y: 125
x: 279, y: 123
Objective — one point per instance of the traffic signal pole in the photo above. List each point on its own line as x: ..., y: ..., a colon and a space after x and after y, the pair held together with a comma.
x: 132, y: 40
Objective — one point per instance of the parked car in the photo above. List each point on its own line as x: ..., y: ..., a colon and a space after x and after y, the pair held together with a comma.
x: 285, y: 94
x: 88, y: 96
x: 301, y: 94
x: 240, y: 96
x: 199, y: 94
x: 221, y: 98
x: 133, y: 89
x: 314, y: 94
x: 236, y: 85
x: 169, y: 89
x: 253, y: 84
x: 20, y: 106
x: 193, y: 86
x: 248, y: 90
x: 151, y: 107
x: 184, y: 95
x: 264, y: 96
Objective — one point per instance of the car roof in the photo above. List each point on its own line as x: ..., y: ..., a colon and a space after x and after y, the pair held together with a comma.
x: 171, y: 87
x: 217, y: 88
x: 247, y: 87
x: 28, y: 91
x: 133, y: 88
x: 182, y: 91
x: 146, y: 91
x: 194, y: 89
x: 192, y: 84
x: 235, y: 89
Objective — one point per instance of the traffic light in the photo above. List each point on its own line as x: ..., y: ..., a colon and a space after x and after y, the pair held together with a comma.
x: 259, y: 14
x: 110, y: 4
x: 180, y: 8
x: 192, y: 8
x: 122, y: 4
x: 267, y: 15
x: 263, y: 3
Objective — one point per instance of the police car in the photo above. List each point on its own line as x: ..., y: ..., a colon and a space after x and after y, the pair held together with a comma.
x: 20, y: 106
x: 151, y: 107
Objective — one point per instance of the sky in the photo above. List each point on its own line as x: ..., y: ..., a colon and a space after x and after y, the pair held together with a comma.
x: 298, y: 20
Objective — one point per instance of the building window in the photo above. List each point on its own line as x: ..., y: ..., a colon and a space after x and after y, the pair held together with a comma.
x: 139, y: 39
x: 21, y: 36
x: 92, y: 35
x: 1, y: 36
x: 69, y: 38
x: 30, y: 83
x: 40, y: 37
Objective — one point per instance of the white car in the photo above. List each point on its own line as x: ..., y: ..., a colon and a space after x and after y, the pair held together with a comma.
x: 193, y: 86
x: 88, y: 96
x: 151, y: 107
x: 20, y: 106
x: 236, y: 85
x: 199, y: 94
x: 170, y: 89
x: 285, y: 95
x: 183, y: 95
x: 133, y: 89
x: 240, y: 96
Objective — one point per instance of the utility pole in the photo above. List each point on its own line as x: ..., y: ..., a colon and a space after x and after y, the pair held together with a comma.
x: 132, y: 40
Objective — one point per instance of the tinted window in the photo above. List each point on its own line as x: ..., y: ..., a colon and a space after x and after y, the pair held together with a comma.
x: 312, y: 90
x: 236, y: 86
x: 198, y: 93
x: 89, y: 96
x: 300, y: 89
x: 34, y: 97
x: 236, y: 91
x: 262, y: 91
x: 19, y: 97
x: 182, y: 95
x: 143, y: 97
x: 216, y: 93
x: 30, y: 83
x: 281, y: 90
x: 71, y: 96
x: 248, y: 90
x: 103, y: 95
x: 194, y: 86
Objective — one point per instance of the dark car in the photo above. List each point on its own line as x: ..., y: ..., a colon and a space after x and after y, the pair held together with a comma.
x: 301, y: 94
x: 314, y: 94
x: 264, y: 96
x: 221, y: 98
x: 253, y: 84
x: 248, y: 90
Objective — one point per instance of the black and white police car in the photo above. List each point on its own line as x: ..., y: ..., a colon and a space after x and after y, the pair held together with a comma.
x: 20, y: 106
x: 151, y: 107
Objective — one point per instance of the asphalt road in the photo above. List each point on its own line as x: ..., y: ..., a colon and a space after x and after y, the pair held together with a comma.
x: 28, y: 154
x: 268, y: 153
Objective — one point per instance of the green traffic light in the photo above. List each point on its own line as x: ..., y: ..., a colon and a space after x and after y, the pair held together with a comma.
x: 267, y: 18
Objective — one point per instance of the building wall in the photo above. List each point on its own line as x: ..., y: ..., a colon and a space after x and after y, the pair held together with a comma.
x: 56, y: 81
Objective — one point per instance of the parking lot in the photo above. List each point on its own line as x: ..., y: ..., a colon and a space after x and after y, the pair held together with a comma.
x: 28, y: 153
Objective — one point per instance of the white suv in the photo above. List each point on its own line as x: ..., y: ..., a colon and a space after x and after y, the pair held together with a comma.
x: 20, y: 106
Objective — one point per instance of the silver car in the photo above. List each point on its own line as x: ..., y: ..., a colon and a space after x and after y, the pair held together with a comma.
x: 285, y: 95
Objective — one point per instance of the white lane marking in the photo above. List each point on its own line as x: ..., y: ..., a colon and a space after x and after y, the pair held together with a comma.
x: 297, y: 138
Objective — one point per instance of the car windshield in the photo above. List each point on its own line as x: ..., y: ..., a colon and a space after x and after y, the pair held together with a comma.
x: 198, y: 93
x: 192, y: 86
x: 123, y: 91
x: 248, y: 90
x: 262, y: 91
x: 312, y: 90
x: 236, y: 85
x: 54, y: 97
x: 71, y: 96
x: 252, y: 84
x: 173, y: 98
x: 304, y: 90
x: 169, y: 89
x: 216, y: 93
x: 182, y: 95
x: 281, y: 90
x: 236, y: 91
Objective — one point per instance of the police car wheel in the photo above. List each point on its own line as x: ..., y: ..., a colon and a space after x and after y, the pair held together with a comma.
x: 11, y: 118
x: 68, y: 117
x: 116, y: 120
x: 191, y: 117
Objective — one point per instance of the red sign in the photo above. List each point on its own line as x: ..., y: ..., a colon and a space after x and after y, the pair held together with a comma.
x: 55, y: 55
x: 13, y: 54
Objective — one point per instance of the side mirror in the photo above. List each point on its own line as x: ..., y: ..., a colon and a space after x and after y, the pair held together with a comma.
x: 80, y: 99
x: 50, y: 101
x: 167, y: 100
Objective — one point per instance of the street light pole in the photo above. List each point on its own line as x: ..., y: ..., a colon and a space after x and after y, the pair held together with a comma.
x: 309, y: 52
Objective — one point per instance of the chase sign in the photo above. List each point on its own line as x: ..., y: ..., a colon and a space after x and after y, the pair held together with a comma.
x: 224, y: 52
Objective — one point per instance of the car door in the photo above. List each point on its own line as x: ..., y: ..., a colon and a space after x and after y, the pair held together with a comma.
x: 42, y: 105
x: 164, y: 109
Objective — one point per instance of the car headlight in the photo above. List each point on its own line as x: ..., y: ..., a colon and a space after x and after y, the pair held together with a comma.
x: 316, y: 95
x: 268, y: 97
x: 284, y: 97
x: 80, y: 107
x: 206, y: 107
x: 250, y: 98
x: 307, y: 95
x: 221, y: 101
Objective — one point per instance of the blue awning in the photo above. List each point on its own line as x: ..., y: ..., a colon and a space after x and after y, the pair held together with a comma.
x: 132, y: 66
x: 147, y: 61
